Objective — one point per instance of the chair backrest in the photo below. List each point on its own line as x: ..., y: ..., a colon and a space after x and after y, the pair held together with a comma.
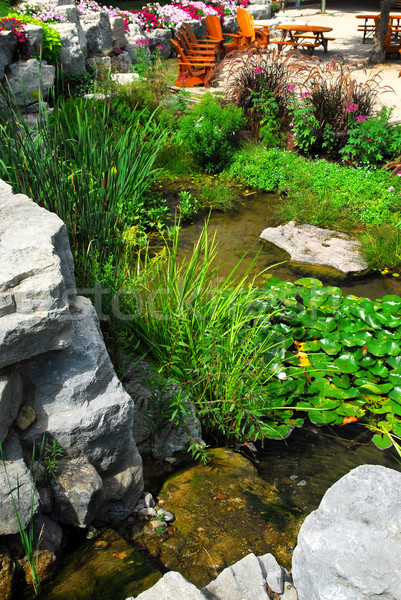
x: 245, y: 22
x: 180, y: 51
x: 190, y: 33
x: 213, y: 26
x: 182, y: 40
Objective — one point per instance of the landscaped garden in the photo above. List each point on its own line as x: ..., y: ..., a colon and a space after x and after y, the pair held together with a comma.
x: 259, y: 358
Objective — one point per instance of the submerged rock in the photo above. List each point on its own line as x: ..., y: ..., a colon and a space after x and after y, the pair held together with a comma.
x: 349, y: 548
x: 312, y: 245
x: 105, y: 567
x: 223, y: 511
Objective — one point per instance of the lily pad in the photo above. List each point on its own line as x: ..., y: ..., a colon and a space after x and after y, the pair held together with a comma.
x: 382, y: 441
x: 347, y: 363
x: 381, y: 348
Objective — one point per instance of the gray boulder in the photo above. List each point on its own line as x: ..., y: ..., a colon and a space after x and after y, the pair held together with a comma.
x: 8, y: 44
x: 71, y: 56
x: 77, y: 490
x: 260, y: 11
x: 36, y: 279
x: 71, y: 14
x: 15, y: 479
x: 350, y: 547
x: 161, y: 38
x: 78, y: 397
x: 310, y: 245
x: 172, y: 586
x: 34, y: 36
x: 27, y: 78
x: 10, y: 401
x: 230, y: 24
x: 244, y: 579
x: 118, y: 30
x: 97, y: 29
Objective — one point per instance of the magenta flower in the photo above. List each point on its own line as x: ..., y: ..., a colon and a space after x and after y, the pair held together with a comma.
x: 361, y: 118
x: 291, y: 87
x: 351, y: 108
x: 258, y: 70
x: 305, y: 94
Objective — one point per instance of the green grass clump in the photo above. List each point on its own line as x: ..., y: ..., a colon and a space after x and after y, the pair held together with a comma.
x: 4, y: 8
x: 327, y: 195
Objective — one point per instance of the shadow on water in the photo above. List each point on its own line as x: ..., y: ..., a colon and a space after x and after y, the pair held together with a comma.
x: 238, y: 233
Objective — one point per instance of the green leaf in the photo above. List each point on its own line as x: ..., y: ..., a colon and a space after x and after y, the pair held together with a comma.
x: 324, y: 417
x: 309, y: 282
x: 367, y: 361
x: 382, y: 441
x: 330, y: 345
x: 347, y: 363
x: 381, y: 348
x: 311, y: 346
x: 395, y: 394
x: 378, y: 390
x: 342, y: 381
x: 379, y: 370
x: 356, y: 339
x: 394, y: 361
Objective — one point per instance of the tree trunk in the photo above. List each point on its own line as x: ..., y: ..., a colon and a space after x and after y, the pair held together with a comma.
x: 377, y: 54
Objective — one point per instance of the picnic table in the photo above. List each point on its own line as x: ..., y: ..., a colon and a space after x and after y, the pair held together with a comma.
x: 370, y: 23
x: 308, y: 37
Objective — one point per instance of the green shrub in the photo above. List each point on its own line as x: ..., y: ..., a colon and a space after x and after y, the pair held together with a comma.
x: 210, y: 133
x: 51, y: 37
x: 372, y: 140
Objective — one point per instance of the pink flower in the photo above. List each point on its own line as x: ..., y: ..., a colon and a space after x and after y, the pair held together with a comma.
x: 291, y: 87
x: 305, y: 94
x: 390, y: 189
x: 361, y: 118
x: 351, y: 108
x: 258, y: 70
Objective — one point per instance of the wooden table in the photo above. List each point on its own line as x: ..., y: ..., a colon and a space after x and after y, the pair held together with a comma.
x: 308, y: 37
x: 370, y: 23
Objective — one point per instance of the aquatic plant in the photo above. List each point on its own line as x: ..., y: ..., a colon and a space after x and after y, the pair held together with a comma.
x: 27, y: 533
x: 90, y: 167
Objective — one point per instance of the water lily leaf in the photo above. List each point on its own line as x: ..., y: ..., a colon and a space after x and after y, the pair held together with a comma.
x: 347, y: 363
x: 367, y: 361
x: 378, y: 390
x: 311, y: 346
x: 391, y: 303
x: 298, y: 333
x: 381, y: 348
x: 397, y: 429
x: 342, y: 381
x: 352, y: 325
x: 356, y: 339
x: 324, y: 403
x: 278, y: 432
x: 382, y: 441
x: 394, y: 407
x: 393, y: 361
x: 389, y: 320
x: 296, y: 422
x: 379, y: 370
x: 330, y: 345
x: 395, y: 394
x: 324, y: 417
x: 309, y: 282
x: 322, y: 362
x: 395, y: 376
x: 350, y: 410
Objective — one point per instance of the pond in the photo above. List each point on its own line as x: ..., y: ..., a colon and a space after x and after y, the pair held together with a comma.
x: 289, y: 477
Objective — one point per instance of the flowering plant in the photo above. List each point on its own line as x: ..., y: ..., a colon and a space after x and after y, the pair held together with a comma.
x: 46, y: 14
x: 12, y: 24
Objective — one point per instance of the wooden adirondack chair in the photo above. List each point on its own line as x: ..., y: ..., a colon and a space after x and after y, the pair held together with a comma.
x: 215, y: 32
x: 251, y: 35
x: 193, y: 49
x: 193, y: 69
x: 193, y: 40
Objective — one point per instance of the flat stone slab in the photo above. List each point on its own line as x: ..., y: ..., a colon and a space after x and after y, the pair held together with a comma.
x: 312, y: 245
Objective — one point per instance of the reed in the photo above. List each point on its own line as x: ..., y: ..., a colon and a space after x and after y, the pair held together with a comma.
x: 27, y: 533
x: 208, y: 333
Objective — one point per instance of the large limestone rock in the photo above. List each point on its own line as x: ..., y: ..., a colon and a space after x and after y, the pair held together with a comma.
x: 247, y: 579
x: 161, y: 38
x: 71, y: 55
x: 310, y: 245
x: 10, y: 400
x: 118, y: 30
x: 34, y: 36
x: 15, y: 482
x: 259, y: 11
x: 27, y: 78
x: 172, y: 586
x: 8, y: 43
x: 98, y: 33
x: 36, y: 279
x: 71, y: 14
x: 350, y: 547
x: 78, y: 491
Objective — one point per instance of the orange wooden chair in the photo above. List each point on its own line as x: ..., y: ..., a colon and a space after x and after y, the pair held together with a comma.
x: 193, y: 40
x: 193, y: 49
x: 193, y: 69
x: 251, y: 35
x: 215, y: 32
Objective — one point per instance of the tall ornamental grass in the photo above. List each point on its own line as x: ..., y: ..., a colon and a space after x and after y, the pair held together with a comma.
x: 207, y: 333
x: 92, y: 170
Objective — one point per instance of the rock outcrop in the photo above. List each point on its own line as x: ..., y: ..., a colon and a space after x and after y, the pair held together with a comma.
x: 349, y: 548
x: 55, y: 370
x: 310, y: 245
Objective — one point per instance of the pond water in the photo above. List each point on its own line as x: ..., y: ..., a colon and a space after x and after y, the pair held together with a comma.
x: 301, y: 468
x: 238, y: 232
